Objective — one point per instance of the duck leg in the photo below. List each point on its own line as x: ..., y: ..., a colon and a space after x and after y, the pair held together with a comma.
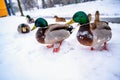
x: 105, y: 46
x: 92, y: 49
x: 57, y: 46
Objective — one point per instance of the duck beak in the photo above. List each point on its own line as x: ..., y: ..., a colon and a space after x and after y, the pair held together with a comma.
x: 24, y: 29
x: 34, y: 27
x: 70, y: 22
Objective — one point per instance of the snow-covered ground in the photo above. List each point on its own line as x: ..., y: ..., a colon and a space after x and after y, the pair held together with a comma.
x: 23, y: 58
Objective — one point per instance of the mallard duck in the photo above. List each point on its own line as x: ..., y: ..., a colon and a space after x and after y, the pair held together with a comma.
x: 97, y: 21
x: 23, y: 28
x: 90, y: 16
x: 52, y: 34
x: 29, y: 19
x: 59, y: 19
x: 91, y: 34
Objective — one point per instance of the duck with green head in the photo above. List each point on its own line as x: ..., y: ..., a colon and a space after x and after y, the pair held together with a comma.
x: 29, y: 19
x: 88, y: 37
x: 23, y: 28
x: 52, y: 34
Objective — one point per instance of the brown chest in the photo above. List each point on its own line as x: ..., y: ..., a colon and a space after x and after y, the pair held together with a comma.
x: 40, y: 36
x: 84, y: 35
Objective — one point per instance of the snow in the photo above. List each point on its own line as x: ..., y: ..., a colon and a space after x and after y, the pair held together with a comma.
x: 107, y: 8
x: 23, y: 58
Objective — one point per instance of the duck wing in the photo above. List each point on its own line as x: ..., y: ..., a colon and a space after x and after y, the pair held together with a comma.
x: 56, y: 33
x: 40, y: 35
x: 101, y: 34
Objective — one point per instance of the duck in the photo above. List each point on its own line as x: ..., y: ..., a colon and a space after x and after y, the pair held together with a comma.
x: 29, y: 19
x: 59, y: 19
x: 97, y: 21
x: 96, y: 34
x: 23, y: 28
x: 90, y: 17
x: 51, y: 34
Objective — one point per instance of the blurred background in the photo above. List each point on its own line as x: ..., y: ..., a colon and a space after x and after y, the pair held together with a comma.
x: 14, y: 6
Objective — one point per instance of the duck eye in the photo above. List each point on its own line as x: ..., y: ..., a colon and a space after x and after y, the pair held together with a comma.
x: 81, y: 16
x: 76, y: 16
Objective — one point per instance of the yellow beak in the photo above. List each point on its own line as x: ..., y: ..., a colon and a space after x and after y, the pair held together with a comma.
x: 70, y: 22
x: 24, y: 29
x: 34, y: 27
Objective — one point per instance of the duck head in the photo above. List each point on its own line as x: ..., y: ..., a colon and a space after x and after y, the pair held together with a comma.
x: 28, y: 17
x: 79, y: 17
x: 40, y: 22
x: 23, y: 27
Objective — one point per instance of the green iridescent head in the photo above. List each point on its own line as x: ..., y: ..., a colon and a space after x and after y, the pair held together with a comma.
x: 40, y: 22
x: 79, y: 17
x: 23, y: 25
x: 28, y: 17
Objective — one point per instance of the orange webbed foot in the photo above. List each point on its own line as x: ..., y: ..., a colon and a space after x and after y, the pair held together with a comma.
x: 105, y: 46
x: 57, y: 47
x: 49, y: 46
x: 92, y: 49
x: 56, y: 50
